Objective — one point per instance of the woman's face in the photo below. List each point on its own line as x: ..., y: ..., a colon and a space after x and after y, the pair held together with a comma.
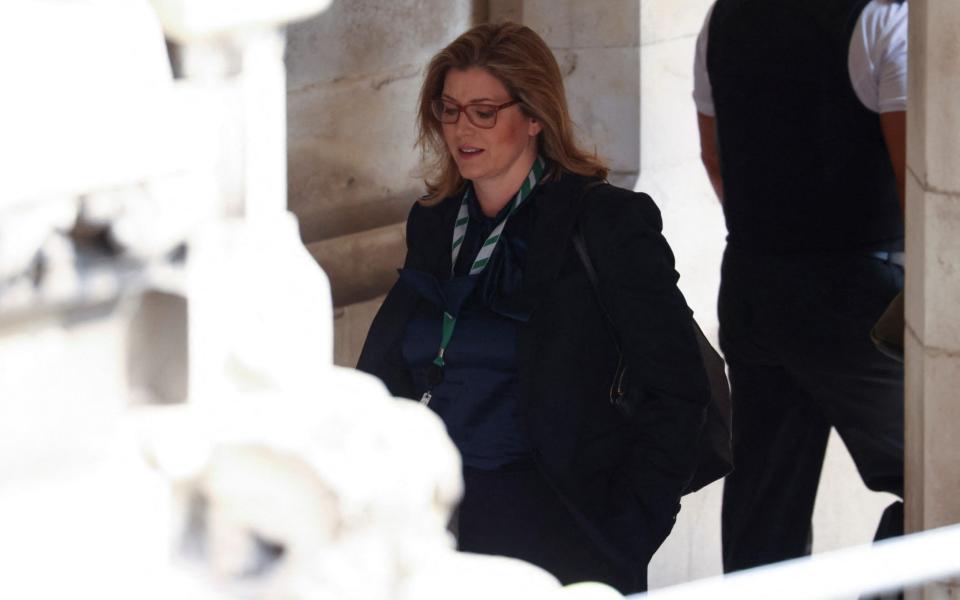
x: 488, y: 156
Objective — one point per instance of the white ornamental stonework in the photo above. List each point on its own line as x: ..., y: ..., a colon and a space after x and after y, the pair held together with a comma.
x: 171, y: 422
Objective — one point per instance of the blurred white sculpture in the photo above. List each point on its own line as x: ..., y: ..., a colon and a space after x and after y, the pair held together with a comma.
x: 171, y: 423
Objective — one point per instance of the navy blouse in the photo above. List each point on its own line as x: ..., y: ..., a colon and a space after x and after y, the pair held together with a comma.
x: 479, y: 397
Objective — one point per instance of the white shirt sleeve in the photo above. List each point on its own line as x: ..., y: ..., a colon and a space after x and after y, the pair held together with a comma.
x: 878, y: 56
x: 877, y: 60
x: 702, y: 92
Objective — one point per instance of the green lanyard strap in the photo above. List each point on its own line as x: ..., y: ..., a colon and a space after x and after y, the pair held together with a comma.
x: 449, y: 322
x: 483, y: 256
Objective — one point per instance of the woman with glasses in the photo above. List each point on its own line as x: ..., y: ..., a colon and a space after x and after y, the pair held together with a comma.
x: 495, y: 326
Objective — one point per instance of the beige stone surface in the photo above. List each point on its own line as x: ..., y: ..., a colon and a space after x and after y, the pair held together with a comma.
x: 914, y: 413
x: 663, y: 20
x: 353, y: 76
x: 597, y: 47
x: 933, y: 273
x: 915, y: 226
x: 356, y: 38
x: 572, y: 24
x: 351, y: 324
x: 941, y: 380
x: 941, y: 275
x: 363, y: 265
x: 157, y: 349
x: 933, y: 276
x: 694, y: 227
x: 932, y: 412
x: 668, y: 123
x: 505, y: 10
x: 352, y: 164
x: 938, y: 89
x: 692, y: 551
x: 607, y: 122
x: 938, y: 590
x: 846, y: 513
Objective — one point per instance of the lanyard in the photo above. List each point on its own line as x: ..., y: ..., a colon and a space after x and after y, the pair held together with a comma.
x: 435, y: 372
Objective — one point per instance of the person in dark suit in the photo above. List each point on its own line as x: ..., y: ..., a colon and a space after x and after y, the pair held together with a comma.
x: 801, y: 111
x: 494, y: 324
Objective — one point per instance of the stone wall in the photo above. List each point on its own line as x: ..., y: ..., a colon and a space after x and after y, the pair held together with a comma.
x: 932, y: 334
x: 353, y: 74
x: 597, y: 46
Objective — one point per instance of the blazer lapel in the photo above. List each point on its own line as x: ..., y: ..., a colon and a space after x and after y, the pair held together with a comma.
x: 558, y: 209
x: 557, y: 212
x: 437, y: 228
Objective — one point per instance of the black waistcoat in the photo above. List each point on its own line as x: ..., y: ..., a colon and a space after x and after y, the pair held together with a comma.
x: 804, y: 163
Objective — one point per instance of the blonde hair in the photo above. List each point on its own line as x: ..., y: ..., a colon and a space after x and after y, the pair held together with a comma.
x: 522, y: 62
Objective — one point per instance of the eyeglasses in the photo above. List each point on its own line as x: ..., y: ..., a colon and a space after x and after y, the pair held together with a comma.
x: 483, y: 116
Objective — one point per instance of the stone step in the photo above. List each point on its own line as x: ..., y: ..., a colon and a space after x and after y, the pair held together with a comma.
x: 361, y: 266
x: 350, y: 326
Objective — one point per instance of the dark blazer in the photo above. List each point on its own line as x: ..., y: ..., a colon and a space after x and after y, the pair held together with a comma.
x: 622, y: 479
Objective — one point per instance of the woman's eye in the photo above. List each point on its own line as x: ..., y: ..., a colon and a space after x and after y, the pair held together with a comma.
x: 485, y: 113
x: 450, y: 110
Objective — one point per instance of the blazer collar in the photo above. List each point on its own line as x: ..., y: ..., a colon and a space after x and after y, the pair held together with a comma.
x: 558, y: 209
x: 557, y: 213
x: 436, y: 247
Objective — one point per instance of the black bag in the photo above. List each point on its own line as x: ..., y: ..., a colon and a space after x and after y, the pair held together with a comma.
x: 887, y: 333
x: 715, y: 458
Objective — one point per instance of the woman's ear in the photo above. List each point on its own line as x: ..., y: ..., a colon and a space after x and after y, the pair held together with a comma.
x: 533, y: 127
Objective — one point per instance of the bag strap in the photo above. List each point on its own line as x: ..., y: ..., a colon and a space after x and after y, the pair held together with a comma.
x: 616, y: 387
x: 581, y: 247
x: 715, y: 458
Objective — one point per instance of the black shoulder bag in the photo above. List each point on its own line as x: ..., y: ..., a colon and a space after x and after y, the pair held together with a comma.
x: 715, y: 455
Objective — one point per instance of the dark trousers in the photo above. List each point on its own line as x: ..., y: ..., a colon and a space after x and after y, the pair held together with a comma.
x: 514, y: 512
x: 795, y: 333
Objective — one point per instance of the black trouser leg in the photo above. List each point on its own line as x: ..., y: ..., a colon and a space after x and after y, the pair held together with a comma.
x: 795, y: 332
x: 779, y: 444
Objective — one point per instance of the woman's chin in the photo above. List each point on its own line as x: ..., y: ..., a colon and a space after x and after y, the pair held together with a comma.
x: 467, y: 172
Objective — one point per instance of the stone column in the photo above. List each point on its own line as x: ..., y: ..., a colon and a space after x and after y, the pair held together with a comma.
x: 933, y: 274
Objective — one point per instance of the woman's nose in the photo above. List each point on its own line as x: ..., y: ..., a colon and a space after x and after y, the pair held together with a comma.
x: 463, y: 123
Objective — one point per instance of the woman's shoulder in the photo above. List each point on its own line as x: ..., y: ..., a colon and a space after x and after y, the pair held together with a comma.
x: 615, y: 206
x: 427, y: 216
x: 422, y: 210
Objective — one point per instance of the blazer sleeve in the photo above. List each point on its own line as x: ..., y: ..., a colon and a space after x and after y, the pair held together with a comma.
x: 380, y: 355
x: 638, y: 286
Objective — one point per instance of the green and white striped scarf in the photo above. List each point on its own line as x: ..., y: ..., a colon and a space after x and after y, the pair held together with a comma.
x: 463, y: 217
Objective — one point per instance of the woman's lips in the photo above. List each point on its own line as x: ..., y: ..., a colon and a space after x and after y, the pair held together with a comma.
x: 467, y: 153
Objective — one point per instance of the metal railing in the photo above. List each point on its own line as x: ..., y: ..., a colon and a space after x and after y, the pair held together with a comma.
x: 870, y: 569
